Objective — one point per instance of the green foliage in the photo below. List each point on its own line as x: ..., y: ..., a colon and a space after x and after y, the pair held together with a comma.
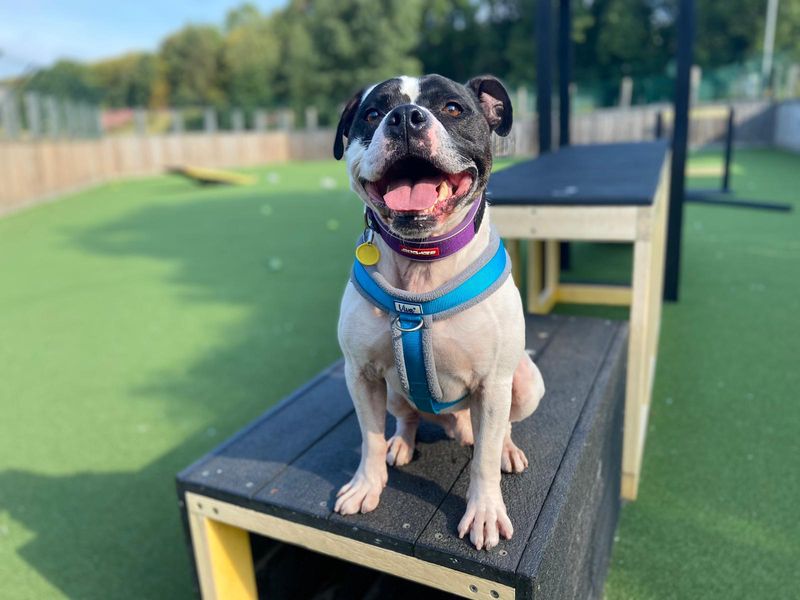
x: 193, y: 65
x: 319, y: 52
x: 250, y: 58
x: 332, y: 47
x: 66, y: 79
x: 728, y: 31
x: 127, y: 80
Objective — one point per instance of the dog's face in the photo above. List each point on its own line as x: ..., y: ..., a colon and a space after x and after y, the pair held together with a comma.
x: 419, y: 149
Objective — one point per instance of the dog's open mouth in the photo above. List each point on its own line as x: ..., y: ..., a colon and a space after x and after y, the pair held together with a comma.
x: 416, y: 185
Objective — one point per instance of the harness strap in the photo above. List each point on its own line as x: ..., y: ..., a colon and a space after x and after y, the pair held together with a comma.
x: 413, y: 313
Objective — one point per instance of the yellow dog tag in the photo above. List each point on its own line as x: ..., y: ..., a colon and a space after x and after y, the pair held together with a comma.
x: 368, y: 254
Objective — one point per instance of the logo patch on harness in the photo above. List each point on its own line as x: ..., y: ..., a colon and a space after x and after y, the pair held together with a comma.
x: 408, y: 308
x: 423, y: 252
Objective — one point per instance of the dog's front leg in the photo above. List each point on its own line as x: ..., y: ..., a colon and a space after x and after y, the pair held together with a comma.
x: 363, y: 492
x: 486, y: 518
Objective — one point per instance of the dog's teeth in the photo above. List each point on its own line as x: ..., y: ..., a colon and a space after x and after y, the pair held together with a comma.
x: 443, y: 190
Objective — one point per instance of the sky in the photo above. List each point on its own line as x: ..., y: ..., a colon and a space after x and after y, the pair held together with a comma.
x: 35, y: 33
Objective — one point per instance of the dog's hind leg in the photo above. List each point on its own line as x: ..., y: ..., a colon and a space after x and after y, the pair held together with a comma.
x: 400, y: 447
x: 513, y: 459
x: 457, y: 425
x: 527, y: 389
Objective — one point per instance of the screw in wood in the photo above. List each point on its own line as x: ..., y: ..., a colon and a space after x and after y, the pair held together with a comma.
x: 473, y: 588
x: 494, y: 594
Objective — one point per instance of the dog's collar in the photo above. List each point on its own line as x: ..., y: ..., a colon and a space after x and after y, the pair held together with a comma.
x: 433, y: 248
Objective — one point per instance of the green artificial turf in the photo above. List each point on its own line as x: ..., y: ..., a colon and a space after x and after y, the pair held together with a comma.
x: 142, y: 322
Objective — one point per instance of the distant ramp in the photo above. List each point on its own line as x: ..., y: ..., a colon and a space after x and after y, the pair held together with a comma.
x: 206, y: 176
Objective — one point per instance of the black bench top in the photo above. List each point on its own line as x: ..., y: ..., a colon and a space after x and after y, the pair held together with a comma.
x: 292, y: 460
x: 595, y: 174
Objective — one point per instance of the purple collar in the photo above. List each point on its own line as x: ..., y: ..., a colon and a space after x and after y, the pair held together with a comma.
x: 432, y: 248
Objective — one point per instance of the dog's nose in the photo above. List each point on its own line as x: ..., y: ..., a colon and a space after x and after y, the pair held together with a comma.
x: 406, y: 117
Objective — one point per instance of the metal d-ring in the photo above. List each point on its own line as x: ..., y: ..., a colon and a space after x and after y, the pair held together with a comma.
x: 416, y: 327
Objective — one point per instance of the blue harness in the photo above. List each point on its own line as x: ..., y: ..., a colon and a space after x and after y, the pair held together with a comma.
x: 412, y: 315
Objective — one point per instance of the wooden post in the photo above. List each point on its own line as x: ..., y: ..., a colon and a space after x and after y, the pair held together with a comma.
x: 696, y: 80
x: 260, y: 120
x: 224, y: 559
x: 176, y: 117
x: 140, y: 121
x: 237, y: 120
x: 33, y: 115
x: 312, y: 118
x: 97, y: 116
x: 70, y: 118
x: 87, y: 120
x: 542, y: 275
x: 792, y: 81
x: 10, y: 115
x: 286, y: 119
x: 521, y: 103
x: 52, y: 119
x: 626, y: 92
x: 210, y: 120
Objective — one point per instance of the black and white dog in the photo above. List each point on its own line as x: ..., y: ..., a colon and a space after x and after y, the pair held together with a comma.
x: 419, y: 155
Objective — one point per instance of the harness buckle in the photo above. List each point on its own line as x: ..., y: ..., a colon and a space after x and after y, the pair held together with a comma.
x: 417, y: 327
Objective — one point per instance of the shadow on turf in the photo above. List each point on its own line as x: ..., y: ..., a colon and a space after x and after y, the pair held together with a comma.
x: 283, y: 260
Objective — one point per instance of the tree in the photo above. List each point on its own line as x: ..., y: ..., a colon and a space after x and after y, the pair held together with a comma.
x: 193, y: 64
x: 251, y: 55
x: 450, y: 42
x: 66, y: 79
x: 331, y: 47
x: 127, y: 80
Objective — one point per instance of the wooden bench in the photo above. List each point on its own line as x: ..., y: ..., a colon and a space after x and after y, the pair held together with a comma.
x: 271, y: 488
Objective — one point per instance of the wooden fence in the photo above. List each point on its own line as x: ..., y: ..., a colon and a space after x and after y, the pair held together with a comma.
x: 35, y: 170
x: 754, y: 125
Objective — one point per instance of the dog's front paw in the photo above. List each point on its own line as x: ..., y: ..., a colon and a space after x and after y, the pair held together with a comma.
x: 361, y: 494
x: 486, y: 520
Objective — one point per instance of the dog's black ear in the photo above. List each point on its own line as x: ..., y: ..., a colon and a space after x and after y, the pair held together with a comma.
x: 494, y: 101
x: 346, y: 120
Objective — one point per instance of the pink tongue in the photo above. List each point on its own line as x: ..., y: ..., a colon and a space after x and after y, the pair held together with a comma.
x: 404, y: 195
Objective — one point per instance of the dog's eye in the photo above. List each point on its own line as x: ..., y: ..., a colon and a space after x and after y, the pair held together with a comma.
x: 453, y: 109
x: 372, y: 116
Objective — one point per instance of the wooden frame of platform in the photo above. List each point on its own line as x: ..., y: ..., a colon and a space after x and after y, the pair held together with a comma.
x: 640, y: 222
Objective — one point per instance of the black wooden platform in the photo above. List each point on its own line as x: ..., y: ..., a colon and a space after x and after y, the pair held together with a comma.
x: 290, y: 463
x: 621, y: 174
